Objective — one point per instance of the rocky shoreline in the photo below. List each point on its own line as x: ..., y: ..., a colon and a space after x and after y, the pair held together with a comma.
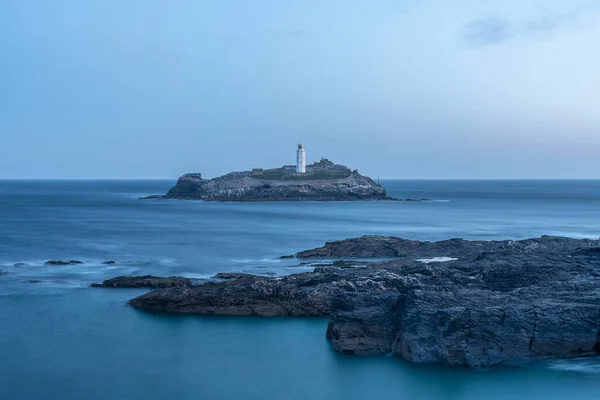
x: 488, y: 303
x: 323, y: 181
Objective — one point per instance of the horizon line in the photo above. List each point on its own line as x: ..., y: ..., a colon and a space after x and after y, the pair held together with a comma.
x: 378, y: 178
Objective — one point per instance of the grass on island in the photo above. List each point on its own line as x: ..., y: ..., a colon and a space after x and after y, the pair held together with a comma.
x: 282, y: 176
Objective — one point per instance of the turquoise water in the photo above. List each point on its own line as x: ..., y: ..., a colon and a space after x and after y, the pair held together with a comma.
x: 60, y: 339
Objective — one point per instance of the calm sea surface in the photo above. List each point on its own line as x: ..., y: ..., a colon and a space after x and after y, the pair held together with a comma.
x: 60, y: 339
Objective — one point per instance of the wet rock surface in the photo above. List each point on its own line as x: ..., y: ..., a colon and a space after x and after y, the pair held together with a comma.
x: 146, y: 281
x: 61, y: 262
x: 498, y: 302
x: 394, y: 247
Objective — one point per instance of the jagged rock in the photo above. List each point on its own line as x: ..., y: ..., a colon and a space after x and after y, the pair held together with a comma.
x: 494, y: 302
x: 295, y: 295
x: 61, y: 262
x: 386, y: 247
x: 591, y: 251
x: 147, y: 281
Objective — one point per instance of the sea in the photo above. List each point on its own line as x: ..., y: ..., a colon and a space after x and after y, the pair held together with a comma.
x: 62, y: 339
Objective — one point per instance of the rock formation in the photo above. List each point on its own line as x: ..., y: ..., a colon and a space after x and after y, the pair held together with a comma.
x: 55, y: 263
x: 323, y: 181
x: 146, y: 281
x: 490, y: 303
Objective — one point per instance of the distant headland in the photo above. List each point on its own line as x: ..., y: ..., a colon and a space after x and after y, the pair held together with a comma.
x: 320, y: 181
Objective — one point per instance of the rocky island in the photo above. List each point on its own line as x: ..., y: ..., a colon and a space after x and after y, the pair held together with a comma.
x: 453, y: 302
x: 321, y: 181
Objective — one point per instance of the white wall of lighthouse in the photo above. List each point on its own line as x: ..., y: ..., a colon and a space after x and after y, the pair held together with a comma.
x: 301, y: 159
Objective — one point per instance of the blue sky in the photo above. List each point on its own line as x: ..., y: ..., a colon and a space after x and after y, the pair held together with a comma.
x: 397, y: 89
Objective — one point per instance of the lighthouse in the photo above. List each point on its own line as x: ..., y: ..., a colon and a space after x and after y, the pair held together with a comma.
x: 301, y: 159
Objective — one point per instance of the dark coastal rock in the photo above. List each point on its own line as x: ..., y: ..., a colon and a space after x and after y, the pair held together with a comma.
x: 307, y: 294
x: 364, y: 323
x: 146, y: 281
x: 493, y: 302
x: 109, y: 262
x: 591, y: 251
x: 20, y: 265
x: 323, y: 181
x: 234, y: 275
x: 61, y: 262
x: 390, y: 247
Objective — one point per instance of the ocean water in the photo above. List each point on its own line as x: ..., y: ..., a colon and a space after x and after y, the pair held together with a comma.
x: 61, y: 339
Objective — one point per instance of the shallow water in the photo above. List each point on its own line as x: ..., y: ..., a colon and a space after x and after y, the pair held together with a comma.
x: 61, y: 339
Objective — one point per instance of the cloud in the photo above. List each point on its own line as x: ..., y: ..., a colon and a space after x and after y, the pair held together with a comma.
x: 496, y: 29
x: 545, y: 24
x: 485, y: 32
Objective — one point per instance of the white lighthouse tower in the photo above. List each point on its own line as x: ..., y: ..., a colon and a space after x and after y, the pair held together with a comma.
x: 301, y: 159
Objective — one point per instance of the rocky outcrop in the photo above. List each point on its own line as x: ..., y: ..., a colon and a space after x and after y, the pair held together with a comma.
x: 294, y: 295
x: 55, y: 263
x: 496, y: 302
x: 146, y: 281
x: 324, y: 181
x: 394, y: 247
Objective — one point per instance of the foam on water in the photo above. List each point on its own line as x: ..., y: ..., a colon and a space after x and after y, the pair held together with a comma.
x: 196, y: 275
x: 436, y: 260
x: 578, y: 365
x: 256, y: 261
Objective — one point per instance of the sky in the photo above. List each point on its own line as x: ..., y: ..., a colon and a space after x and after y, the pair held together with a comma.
x: 427, y: 89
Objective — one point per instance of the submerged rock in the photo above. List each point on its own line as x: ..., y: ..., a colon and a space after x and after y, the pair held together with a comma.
x: 147, y: 281
x: 497, y: 302
x: 109, y: 262
x: 20, y: 265
x: 61, y: 262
